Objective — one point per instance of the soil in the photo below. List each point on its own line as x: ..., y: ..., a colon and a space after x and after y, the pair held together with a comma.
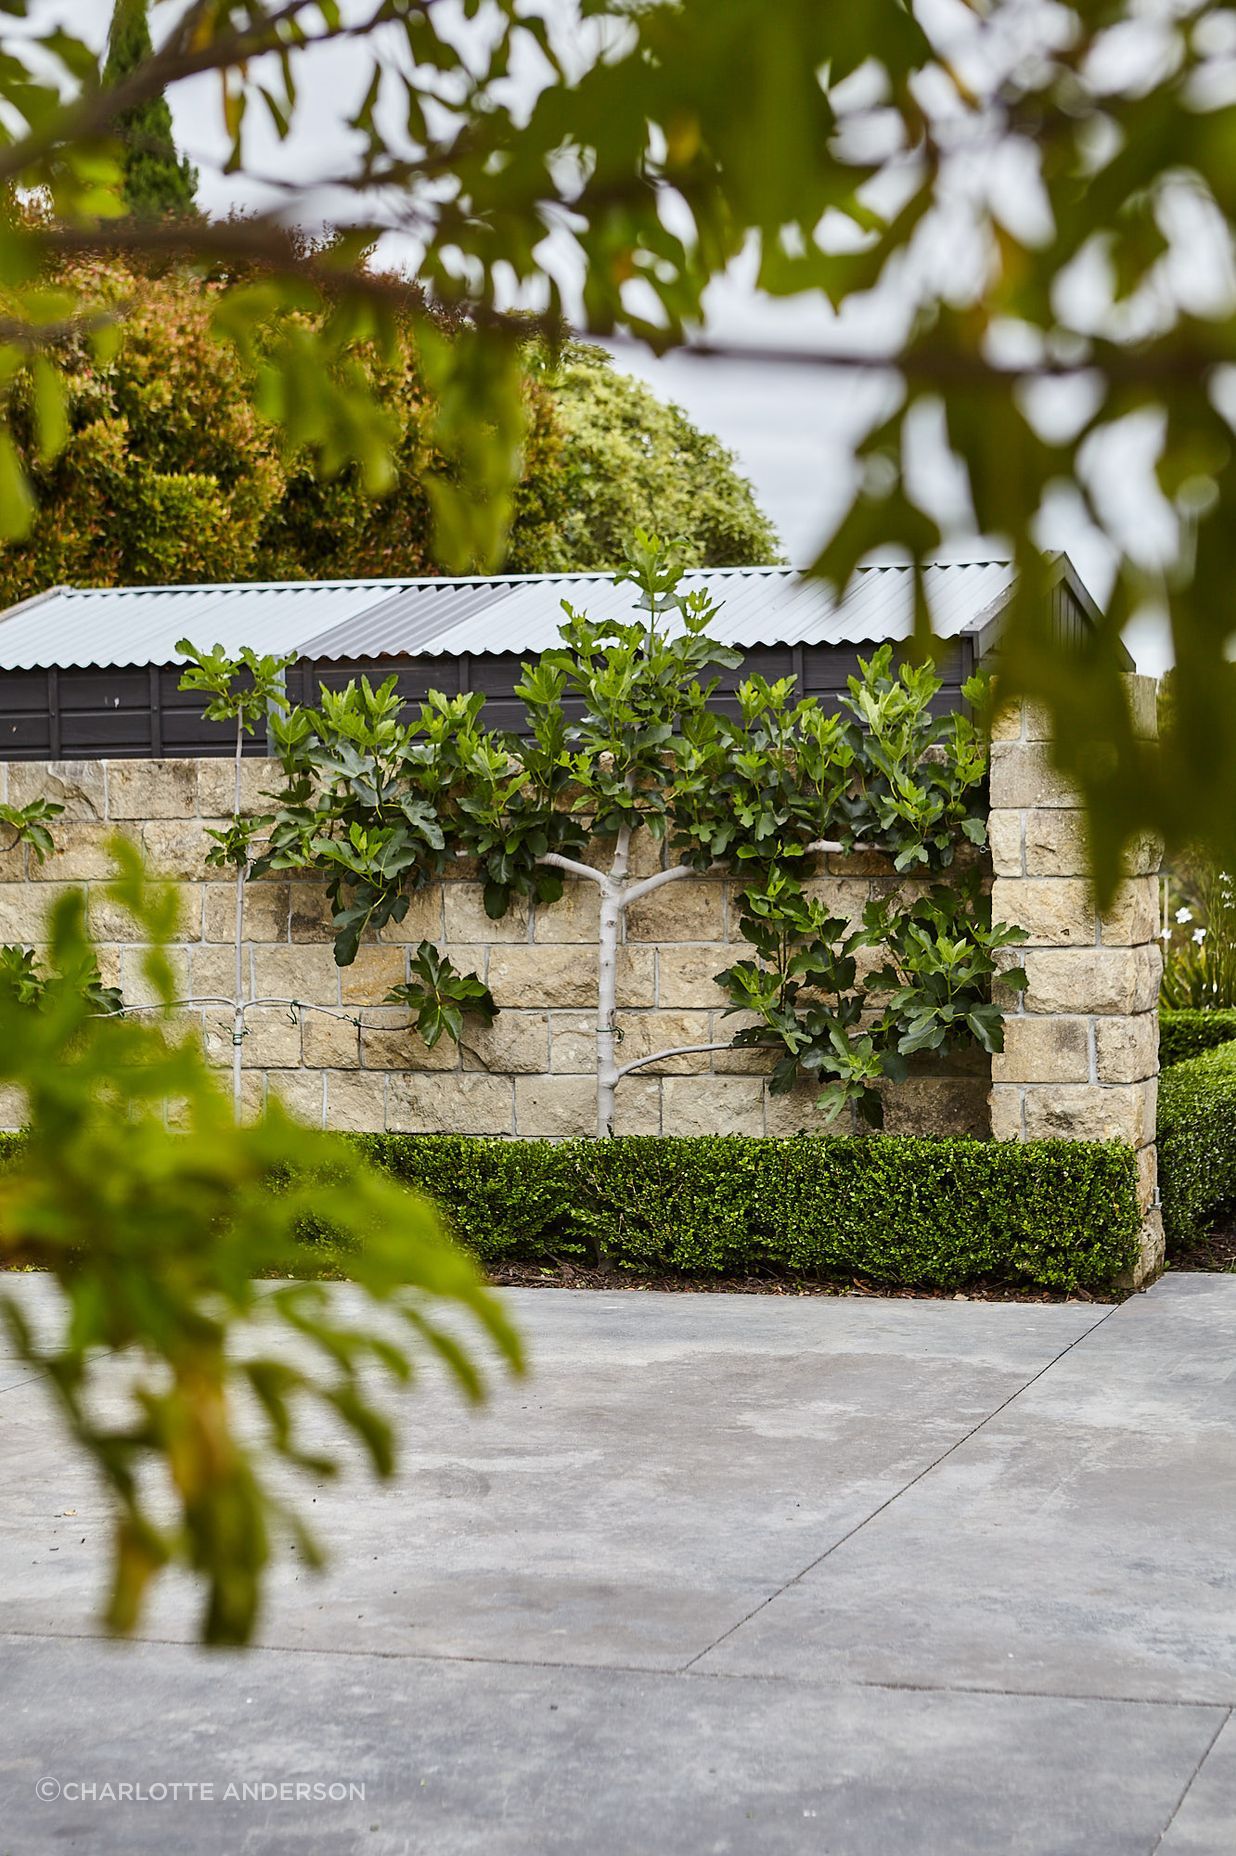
x: 579, y: 1276
x: 1215, y: 1251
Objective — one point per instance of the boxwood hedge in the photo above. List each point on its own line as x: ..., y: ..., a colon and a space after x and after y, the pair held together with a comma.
x: 898, y: 1211
x: 895, y: 1210
x: 1186, y: 1034
x: 1197, y: 1142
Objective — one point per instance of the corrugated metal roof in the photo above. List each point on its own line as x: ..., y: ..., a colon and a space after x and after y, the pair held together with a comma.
x: 334, y: 620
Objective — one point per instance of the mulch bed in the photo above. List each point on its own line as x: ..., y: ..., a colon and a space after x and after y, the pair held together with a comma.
x: 580, y: 1276
x: 1215, y: 1251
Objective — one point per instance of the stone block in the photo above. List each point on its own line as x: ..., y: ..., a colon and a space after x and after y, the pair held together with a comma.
x: 637, y: 1106
x: 541, y: 976
x: 1147, y: 1176
x: 686, y: 976
x: 266, y: 912
x: 212, y: 972
x: 556, y: 1107
x: 844, y: 897
x: 1004, y: 841
x: 748, y: 1060
x: 272, y: 1039
x: 110, y: 921
x: 355, y: 1101
x: 691, y: 909
x: 516, y: 1042
x: 796, y: 1112
x: 131, y: 978
x: 1132, y: 917
x: 331, y: 1043
x: 177, y: 847
x: 1006, y: 722
x: 1004, y: 1111
x: 466, y: 919
x: 390, y: 1041
x: 80, y: 855
x: 24, y: 909
x: 216, y: 785
x: 1022, y: 776
x: 372, y: 974
x: 858, y: 863
x: 574, y: 917
x: 306, y: 973
x: 1043, y: 1050
x: 309, y: 911
x: 1127, y: 1049
x: 1054, y: 911
x: 936, y: 1105
x: 636, y: 979
x: 1056, y: 843
x: 302, y: 1094
x: 572, y: 1043
x: 1105, y: 980
x: 80, y: 786
x: 149, y: 789
x: 1091, y: 1112
x: 450, y: 1103
x: 712, y: 1105
x: 424, y: 921
x: 642, y: 1033
x: 14, y: 1108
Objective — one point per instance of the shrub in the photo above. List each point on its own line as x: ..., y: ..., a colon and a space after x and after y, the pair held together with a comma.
x: 907, y: 1213
x: 1188, y: 1033
x: 1197, y: 1142
x: 898, y: 1211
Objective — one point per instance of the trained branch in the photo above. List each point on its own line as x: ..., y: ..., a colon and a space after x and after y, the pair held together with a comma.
x: 684, y: 1050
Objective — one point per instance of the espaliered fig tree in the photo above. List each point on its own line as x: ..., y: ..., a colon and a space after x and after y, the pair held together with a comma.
x: 621, y: 738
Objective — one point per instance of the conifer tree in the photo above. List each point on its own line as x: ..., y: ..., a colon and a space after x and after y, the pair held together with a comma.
x: 157, y: 180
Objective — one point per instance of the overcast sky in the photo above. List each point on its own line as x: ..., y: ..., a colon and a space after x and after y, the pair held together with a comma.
x: 791, y: 429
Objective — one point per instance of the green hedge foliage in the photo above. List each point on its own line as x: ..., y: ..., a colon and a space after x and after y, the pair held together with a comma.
x: 905, y: 1213
x: 1185, y: 1034
x: 1197, y: 1142
x: 894, y: 1210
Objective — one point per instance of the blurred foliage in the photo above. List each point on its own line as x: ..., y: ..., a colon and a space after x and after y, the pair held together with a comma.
x: 191, y: 1386
x: 168, y: 474
x: 156, y: 178
x: 1043, y: 190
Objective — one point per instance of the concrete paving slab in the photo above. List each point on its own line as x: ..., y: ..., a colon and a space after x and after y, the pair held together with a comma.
x: 1079, y: 1542
x: 672, y: 1461
x: 1205, y: 1824
x: 460, y: 1759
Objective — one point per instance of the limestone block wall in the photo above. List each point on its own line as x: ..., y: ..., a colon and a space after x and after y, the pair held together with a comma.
x: 532, y: 1073
x: 1081, y: 1051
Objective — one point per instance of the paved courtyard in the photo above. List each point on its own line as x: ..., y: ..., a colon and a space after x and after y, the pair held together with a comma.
x: 726, y: 1574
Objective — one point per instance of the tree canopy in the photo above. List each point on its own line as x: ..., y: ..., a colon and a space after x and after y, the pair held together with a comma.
x: 1037, y: 196
x: 156, y: 178
x: 168, y: 472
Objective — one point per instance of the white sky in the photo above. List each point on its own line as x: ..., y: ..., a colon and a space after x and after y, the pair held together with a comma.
x: 791, y: 428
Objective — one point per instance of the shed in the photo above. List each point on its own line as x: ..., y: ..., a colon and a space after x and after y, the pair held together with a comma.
x: 88, y: 672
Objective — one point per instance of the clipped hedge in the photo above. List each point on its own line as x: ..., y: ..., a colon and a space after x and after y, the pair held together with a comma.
x: 903, y: 1212
x: 1197, y: 1142
x: 1186, y: 1034
x: 892, y: 1209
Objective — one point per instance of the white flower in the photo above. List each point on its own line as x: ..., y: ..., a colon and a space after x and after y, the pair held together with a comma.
x: 1184, y: 915
x: 1165, y: 934
x: 1199, y: 935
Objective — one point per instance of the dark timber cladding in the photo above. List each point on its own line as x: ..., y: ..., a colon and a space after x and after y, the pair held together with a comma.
x: 56, y: 704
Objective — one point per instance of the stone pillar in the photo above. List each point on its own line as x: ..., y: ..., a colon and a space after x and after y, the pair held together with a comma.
x: 1081, y: 1053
